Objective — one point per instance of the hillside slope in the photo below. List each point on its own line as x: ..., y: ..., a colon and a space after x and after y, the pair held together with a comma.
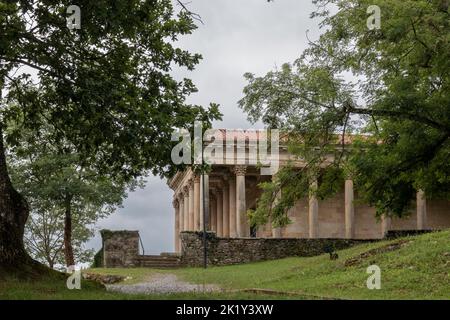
x: 411, y: 268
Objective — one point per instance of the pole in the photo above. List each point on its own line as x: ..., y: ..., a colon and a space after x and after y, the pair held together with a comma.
x: 205, y: 213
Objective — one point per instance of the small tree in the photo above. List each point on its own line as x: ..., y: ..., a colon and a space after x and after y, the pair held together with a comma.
x: 65, y: 198
x: 44, y: 237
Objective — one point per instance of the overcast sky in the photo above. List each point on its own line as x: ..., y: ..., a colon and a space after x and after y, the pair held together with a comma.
x: 237, y: 36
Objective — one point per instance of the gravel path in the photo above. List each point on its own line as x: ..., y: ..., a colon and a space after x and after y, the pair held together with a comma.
x: 161, y: 283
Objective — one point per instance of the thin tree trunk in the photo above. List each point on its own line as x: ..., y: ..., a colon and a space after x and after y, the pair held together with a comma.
x: 68, y: 249
x: 13, y: 215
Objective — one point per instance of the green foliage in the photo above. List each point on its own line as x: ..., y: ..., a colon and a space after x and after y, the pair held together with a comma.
x: 44, y: 232
x: 52, y: 178
x: 98, y: 259
x: 387, y: 92
x: 105, y: 88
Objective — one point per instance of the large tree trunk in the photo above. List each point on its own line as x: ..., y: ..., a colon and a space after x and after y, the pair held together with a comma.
x: 13, y: 215
x: 68, y: 249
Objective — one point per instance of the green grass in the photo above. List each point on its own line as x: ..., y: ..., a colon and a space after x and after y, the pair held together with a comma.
x: 418, y: 270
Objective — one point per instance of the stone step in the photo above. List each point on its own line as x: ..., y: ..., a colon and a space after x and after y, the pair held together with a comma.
x: 161, y: 266
x: 159, y: 261
x: 157, y: 258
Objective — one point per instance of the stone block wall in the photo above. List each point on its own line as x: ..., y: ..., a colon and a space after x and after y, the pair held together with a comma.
x: 393, y: 234
x: 120, y: 248
x: 227, y: 251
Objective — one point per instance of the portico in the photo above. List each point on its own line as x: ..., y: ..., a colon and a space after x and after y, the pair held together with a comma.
x: 232, y: 189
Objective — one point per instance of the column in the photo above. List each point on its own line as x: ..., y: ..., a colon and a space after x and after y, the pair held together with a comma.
x: 349, y: 210
x: 313, y: 211
x: 241, y: 205
x: 204, y: 202
x: 385, y: 225
x: 191, y: 205
x: 197, y: 199
x: 181, y: 209
x: 226, y: 211
x: 219, y: 213
x: 276, y: 231
x: 232, y: 207
x: 186, y: 208
x: 177, y: 225
x: 421, y: 210
x: 213, y: 215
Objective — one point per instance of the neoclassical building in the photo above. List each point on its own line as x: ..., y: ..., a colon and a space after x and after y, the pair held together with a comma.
x: 232, y: 189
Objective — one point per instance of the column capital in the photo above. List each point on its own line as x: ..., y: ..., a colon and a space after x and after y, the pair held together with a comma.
x: 197, y: 178
x: 240, y: 170
x: 186, y: 191
x: 175, y: 203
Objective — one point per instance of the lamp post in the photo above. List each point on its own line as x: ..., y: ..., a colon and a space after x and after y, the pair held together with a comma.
x: 205, y: 207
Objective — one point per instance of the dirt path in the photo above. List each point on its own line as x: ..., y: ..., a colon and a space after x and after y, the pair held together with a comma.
x: 161, y: 283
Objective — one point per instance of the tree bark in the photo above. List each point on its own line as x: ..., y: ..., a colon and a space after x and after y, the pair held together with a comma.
x: 13, y: 215
x: 68, y: 249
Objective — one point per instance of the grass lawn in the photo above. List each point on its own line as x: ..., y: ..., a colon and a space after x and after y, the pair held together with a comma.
x: 418, y: 270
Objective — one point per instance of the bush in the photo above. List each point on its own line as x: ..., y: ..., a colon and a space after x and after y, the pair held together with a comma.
x: 98, y: 259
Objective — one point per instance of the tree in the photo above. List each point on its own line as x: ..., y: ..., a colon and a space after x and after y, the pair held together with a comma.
x: 64, y: 197
x: 377, y: 100
x: 44, y: 237
x: 105, y: 88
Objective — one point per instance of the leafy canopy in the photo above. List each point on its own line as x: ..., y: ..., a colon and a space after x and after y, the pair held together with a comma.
x: 376, y: 101
x: 56, y: 185
x: 105, y: 88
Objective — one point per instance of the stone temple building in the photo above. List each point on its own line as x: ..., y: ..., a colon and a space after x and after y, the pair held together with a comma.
x: 232, y: 189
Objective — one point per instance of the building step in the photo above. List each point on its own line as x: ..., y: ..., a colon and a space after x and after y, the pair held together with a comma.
x: 141, y: 258
x: 159, y: 261
x: 160, y: 265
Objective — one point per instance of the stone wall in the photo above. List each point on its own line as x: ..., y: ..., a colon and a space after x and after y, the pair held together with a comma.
x: 120, y: 248
x: 226, y: 251
x: 393, y: 234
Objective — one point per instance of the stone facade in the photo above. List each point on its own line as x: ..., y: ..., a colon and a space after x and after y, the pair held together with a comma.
x: 232, y: 189
x: 228, y: 251
x: 120, y: 248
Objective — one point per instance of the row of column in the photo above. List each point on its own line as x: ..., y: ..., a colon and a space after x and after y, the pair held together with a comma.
x: 421, y: 212
x: 227, y: 209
